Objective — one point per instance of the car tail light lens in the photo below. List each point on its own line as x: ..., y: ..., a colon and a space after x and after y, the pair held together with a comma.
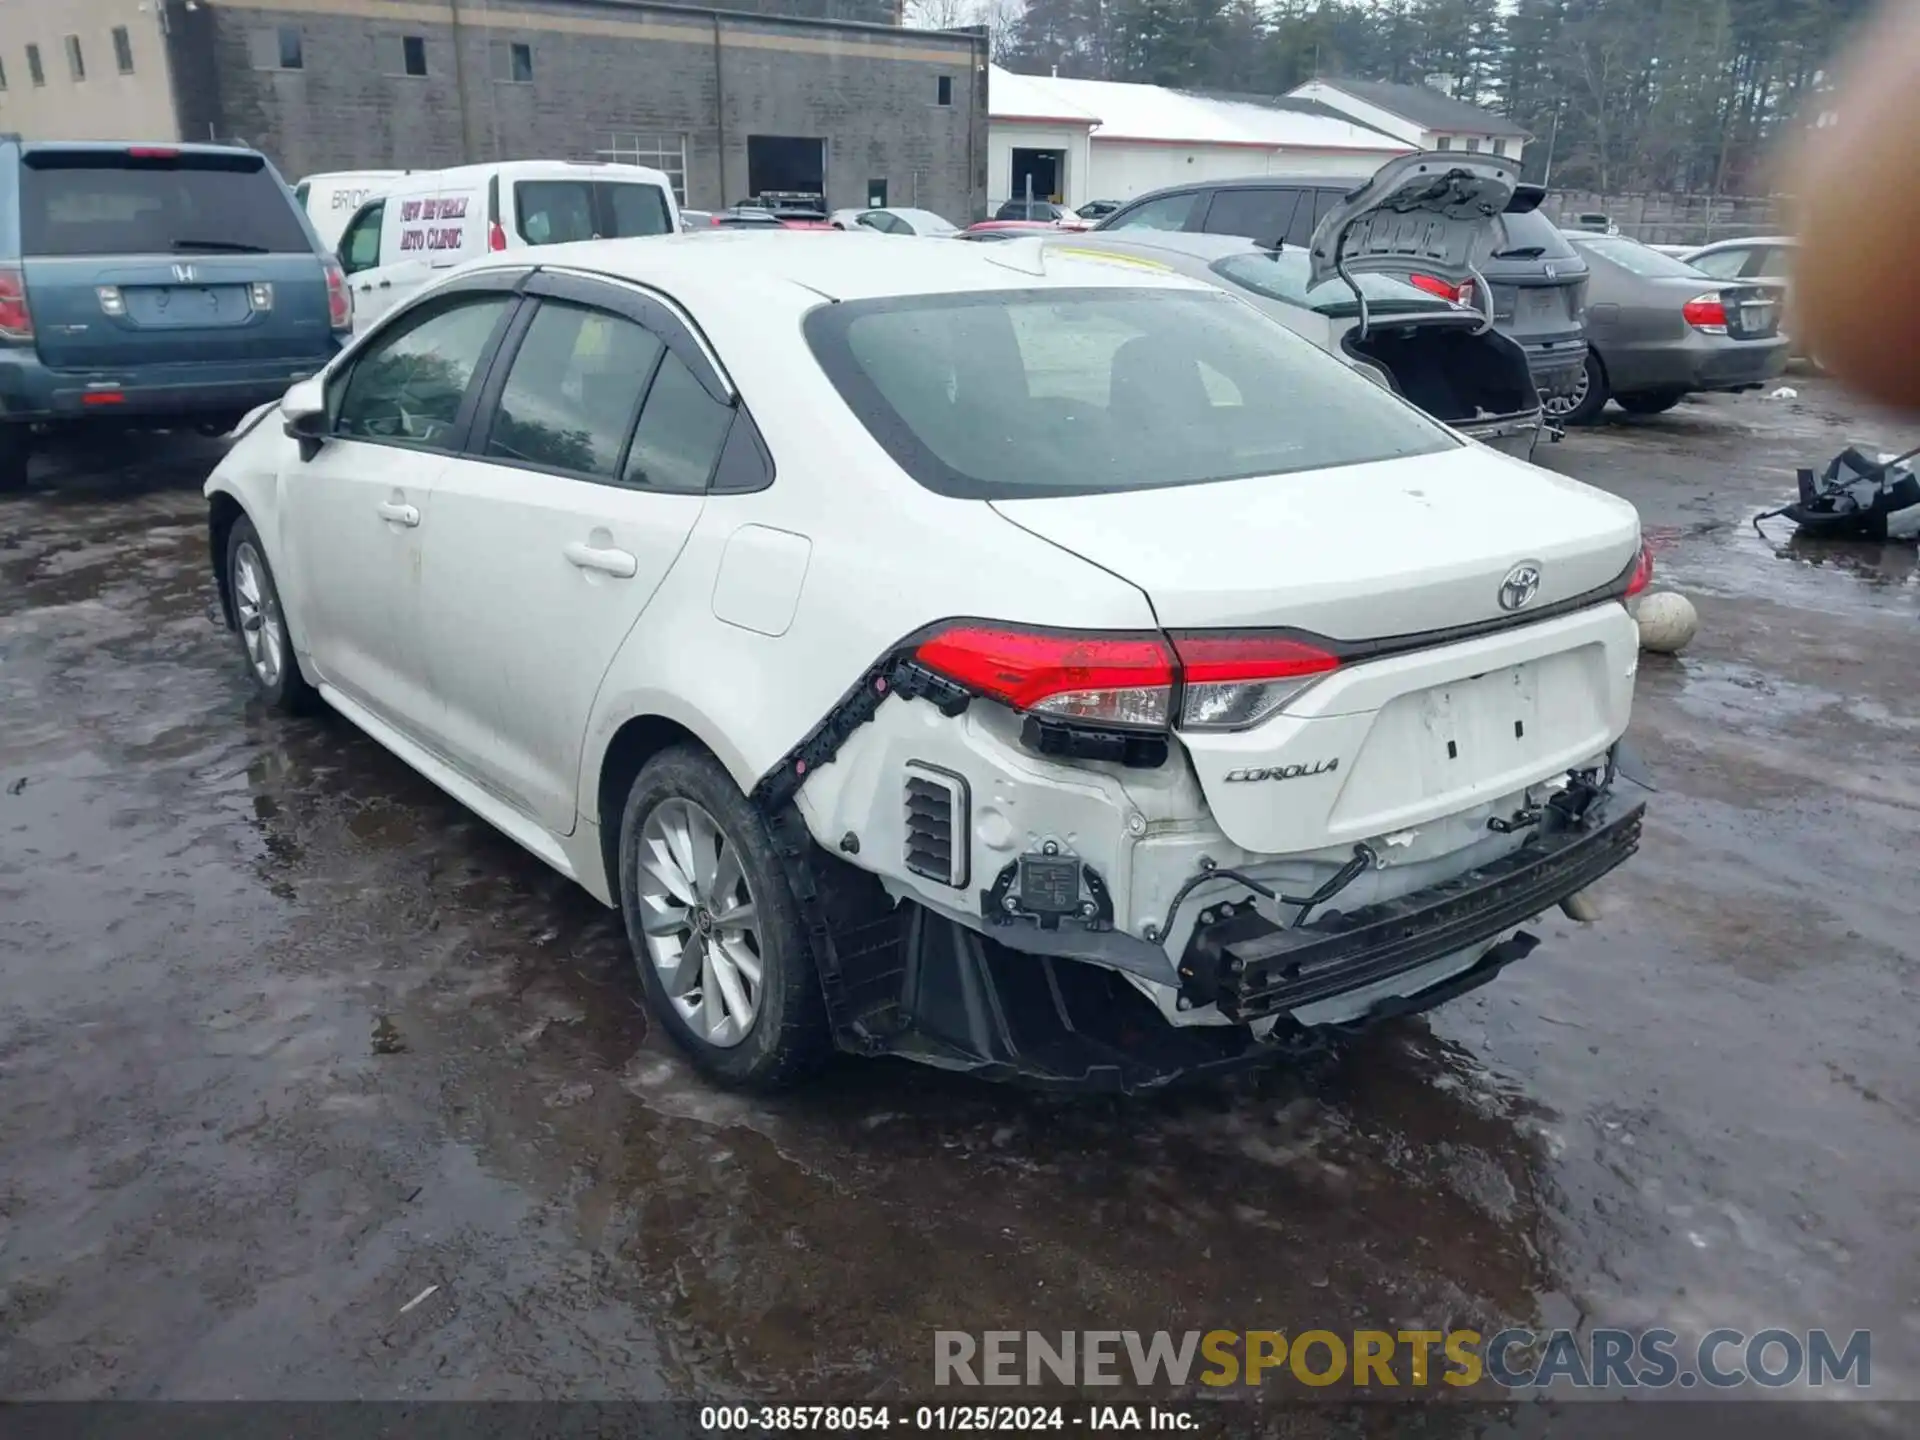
x: 16, y: 320
x: 339, y: 298
x: 1706, y: 312
x: 496, y: 236
x: 1231, y: 681
x: 153, y: 152
x: 1642, y: 572
x: 1227, y: 680
x: 1461, y: 294
x: 1095, y: 679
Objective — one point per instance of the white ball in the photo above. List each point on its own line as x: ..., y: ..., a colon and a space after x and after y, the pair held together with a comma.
x: 1668, y: 622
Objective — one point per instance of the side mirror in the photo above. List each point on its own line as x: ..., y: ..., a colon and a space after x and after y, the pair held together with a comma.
x: 303, y: 415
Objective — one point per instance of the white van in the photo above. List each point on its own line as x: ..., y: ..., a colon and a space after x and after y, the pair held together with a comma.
x: 432, y: 220
x: 331, y: 199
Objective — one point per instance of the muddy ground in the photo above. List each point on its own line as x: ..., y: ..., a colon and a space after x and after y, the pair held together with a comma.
x: 286, y: 1038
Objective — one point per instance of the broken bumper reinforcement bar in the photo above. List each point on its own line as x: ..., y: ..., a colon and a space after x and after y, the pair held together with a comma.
x: 1252, y: 968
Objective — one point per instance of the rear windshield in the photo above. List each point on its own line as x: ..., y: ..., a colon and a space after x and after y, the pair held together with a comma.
x: 553, y: 212
x: 1633, y: 256
x: 1087, y: 391
x: 105, y: 202
x: 1531, y: 236
x: 1282, y: 275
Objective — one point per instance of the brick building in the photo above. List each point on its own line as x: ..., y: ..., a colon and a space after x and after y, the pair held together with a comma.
x: 791, y: 95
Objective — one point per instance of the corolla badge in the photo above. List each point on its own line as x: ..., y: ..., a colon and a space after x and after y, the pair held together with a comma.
x: 1520, y: 586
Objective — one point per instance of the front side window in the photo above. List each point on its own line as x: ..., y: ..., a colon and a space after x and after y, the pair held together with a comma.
x: 408, y: 385
x: 1169, y: 212
x: 681, y: 433
x: 360, y: 246
x: 1074, y: 392
x: 570, y: 397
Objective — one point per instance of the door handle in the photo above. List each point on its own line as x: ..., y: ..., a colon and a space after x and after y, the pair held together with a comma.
x: 399, y: 514
x: 610, y: 562
x: 386, y: 284
x: 363, y: 289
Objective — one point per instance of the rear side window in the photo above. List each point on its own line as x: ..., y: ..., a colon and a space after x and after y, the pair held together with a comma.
x: 553, y: 212
x: 407, y: 386
x: 1263, y: 215
x: 107, y: 202
x: 682, y: 430
x: 1169, y: 212
x: 1078, y: 392
x: 634, y: 210
x: 1723, y: 264
x: 570, y: 397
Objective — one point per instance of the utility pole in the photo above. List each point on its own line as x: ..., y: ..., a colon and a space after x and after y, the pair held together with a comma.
x: 1553, y: 139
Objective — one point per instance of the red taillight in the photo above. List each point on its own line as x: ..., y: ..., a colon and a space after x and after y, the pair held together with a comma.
x: 339, y: 298
x: 496, y: 236
x: 104, y: 397
x: 1706, y: 312
x: 1461, y: 294
x: 1101, y: 679
x: 16, y: 320
x: 1227, y: 680
x: 1642, y: 572
x: 153, y: 152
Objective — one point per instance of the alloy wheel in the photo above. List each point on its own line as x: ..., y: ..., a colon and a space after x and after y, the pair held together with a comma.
x: 259, y: 613
x: 1561, y: 406
x: 699, y: 922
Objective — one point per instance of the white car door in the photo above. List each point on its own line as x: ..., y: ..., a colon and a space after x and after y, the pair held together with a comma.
x: 554, y: 531
x: 358, y: 510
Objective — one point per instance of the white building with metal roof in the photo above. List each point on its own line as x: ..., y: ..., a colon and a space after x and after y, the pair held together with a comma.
x: 1081, y: 140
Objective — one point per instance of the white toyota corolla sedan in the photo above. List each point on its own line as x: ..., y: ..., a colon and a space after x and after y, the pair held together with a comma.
x: 1028, y: 664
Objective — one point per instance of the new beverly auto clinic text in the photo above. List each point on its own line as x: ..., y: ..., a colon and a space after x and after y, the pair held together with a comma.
x: 1514, y: 1359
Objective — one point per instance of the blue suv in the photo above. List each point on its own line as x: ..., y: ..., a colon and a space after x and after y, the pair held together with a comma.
x: 152, y: 285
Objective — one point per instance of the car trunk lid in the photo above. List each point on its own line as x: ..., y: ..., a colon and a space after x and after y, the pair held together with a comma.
x: 1426, y: 212
x: 150, y: 255
x: 1419, y: 575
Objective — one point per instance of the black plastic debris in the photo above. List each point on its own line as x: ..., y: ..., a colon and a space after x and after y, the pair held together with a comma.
x: 1857, y: 498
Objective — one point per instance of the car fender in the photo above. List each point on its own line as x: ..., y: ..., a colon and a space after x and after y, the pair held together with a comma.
x: 250, y: 474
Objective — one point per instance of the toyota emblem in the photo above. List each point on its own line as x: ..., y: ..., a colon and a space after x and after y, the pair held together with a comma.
x: 1520, y: 586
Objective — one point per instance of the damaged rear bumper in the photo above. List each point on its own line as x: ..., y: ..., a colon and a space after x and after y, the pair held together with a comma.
x: 927, y: 988
x: 1252, y: 968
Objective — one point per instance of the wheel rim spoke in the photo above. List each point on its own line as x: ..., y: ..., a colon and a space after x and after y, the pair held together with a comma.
x: 697, y: 921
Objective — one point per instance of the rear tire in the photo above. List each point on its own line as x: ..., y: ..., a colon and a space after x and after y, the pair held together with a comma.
x: 261, y: 623
x: 16, y: 449
x: 707, y: 905
x: 1589, y: 401
x: 1650, y: 402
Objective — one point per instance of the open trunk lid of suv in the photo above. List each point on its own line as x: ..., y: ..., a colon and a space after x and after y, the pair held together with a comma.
x: 1416, y: 582
x: 137, y: 255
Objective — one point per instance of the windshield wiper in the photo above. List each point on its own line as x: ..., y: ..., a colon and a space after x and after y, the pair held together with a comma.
x: 233, y: 246
x: 1522, y: 252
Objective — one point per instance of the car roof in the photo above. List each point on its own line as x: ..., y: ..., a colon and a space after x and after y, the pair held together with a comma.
x: 1728, y: 244
x: 1346, y: 184
x: 723, y: 267
x: 122, y: 146
x: 533, y: 170
x: 1177, y: 242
